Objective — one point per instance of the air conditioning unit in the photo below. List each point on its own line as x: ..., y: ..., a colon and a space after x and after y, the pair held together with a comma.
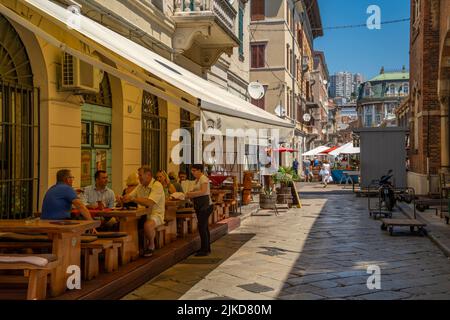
x: 79, y: 76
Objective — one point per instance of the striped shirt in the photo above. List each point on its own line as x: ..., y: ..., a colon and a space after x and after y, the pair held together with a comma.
x: 91, y: 195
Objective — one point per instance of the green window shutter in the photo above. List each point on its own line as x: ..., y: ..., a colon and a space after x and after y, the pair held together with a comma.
x: 241, y: 31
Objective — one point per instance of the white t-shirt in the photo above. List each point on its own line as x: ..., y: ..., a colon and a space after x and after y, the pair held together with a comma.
x: 326, y: 167
x: 155, y: 192
x: 198, y: 186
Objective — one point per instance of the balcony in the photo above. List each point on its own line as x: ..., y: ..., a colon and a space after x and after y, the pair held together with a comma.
x: 204, y: 30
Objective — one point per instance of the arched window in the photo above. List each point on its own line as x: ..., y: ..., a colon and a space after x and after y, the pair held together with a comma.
x: 368, y: 90
x: 392, y: 89
x: 406, y: 88
x: 19, y: 127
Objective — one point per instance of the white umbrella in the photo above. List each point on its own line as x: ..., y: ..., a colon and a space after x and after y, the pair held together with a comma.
x: 347, y: 148
x: 315, y: 151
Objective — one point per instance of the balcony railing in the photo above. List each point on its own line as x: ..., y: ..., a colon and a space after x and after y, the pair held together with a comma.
x: 220, y: 8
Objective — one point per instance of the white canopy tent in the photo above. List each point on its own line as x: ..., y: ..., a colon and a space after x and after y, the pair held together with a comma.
x: 315, y: 151
x: 347, y: 148
x: 215, y: 102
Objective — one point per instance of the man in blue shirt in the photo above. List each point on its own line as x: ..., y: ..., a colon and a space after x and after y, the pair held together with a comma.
x: 58, y: 200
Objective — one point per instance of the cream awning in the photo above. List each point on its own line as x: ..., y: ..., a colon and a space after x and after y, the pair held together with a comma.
x: 214, y: 100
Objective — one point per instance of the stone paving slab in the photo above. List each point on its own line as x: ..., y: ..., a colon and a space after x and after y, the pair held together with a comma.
x: 320, y: 251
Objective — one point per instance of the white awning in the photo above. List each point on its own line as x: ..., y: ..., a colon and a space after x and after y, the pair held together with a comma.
x: 347, y: 148
x: 315, y: 151
x: 213, y: 98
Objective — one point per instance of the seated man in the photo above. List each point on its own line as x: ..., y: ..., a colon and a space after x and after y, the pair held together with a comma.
x: 98, y: 192
x: 174, y: 182
x: 149, y: 193
x: 58, y: 200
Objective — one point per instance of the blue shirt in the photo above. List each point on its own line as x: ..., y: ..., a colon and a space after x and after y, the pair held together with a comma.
x: 57, y: 202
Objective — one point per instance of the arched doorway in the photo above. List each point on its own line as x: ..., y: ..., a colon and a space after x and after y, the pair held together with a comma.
x: 19, y: 127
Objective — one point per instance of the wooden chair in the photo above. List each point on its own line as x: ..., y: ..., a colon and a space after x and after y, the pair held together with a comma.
x: 37, y: 272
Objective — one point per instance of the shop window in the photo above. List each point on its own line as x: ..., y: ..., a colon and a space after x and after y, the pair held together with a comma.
x: 102, y: 135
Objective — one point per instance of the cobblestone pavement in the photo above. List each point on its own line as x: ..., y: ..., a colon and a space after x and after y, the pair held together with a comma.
x: 320, y: 251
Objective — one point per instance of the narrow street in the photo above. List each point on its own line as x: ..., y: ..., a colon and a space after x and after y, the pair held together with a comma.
x: 320, y: 251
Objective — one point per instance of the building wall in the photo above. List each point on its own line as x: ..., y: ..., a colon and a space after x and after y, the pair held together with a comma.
x: 425, y: 126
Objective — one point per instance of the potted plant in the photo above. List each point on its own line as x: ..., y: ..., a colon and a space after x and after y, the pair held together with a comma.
x: 267, y: 198
x: 285, y: 177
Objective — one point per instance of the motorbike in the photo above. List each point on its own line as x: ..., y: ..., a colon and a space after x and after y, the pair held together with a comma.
x: 386, y: 190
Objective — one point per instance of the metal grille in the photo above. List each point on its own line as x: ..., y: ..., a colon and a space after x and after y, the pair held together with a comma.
x: 154, y: 134
x: 19, y: 150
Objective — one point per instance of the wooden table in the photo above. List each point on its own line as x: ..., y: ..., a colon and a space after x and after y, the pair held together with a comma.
x: 66, y: 244
x: 219, y: 194
x: 128, y: 222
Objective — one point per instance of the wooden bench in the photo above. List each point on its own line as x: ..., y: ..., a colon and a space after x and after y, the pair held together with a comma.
x: 90, y: 252
x: 171, y: 230
x: 160, y: 237
x: 124, y: 240
x: 37, y: 272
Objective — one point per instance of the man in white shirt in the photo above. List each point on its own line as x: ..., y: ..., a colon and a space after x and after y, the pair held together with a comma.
x: 149, y: 193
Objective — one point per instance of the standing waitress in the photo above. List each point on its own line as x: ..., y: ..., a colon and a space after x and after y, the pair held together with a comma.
x: 203, y: 207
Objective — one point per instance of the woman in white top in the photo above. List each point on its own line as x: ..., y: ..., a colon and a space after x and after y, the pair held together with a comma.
x: 326, y: 172
x: 200, y: 195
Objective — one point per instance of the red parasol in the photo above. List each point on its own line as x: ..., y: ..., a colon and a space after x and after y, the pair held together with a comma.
x: 285, y: 150
x: 329, y: 150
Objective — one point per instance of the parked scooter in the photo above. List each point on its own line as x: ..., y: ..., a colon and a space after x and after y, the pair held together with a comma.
x: 387, y: 193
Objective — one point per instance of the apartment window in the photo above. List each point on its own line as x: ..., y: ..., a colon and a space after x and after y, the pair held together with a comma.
x: 416, y: 10
x: 392, y: 90
x: 291, y: 70
x: 241, y: 32
x: 367, y: 91
x: 260, y: 103
x: 288, y: 63
x: 406, y: 89
x: 300, y: 38
x: 288, y: 103
x: 258, y: 11
x: 258, y: 55
x: 288, y: 14
x: 297, y: 68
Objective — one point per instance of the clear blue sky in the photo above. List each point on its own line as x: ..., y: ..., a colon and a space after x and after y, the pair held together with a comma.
x: 360, y: 49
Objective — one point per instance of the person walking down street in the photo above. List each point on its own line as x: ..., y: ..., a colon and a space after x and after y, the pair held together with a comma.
x: 316, y: 162
x: 307, y: 170
x: 326, y: 173
x: 295, y: 166
x: 203, y: 207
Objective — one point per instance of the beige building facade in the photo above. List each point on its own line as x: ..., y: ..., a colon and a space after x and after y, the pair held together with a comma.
x: 281, y: 51
x: 119, y: 118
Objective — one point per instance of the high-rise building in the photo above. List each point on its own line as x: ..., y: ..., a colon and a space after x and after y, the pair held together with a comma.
x: 358, y: 78
x: 341, y: 85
